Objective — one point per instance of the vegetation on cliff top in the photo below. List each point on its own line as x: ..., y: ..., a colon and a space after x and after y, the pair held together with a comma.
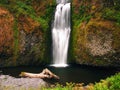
x: 27, y: 8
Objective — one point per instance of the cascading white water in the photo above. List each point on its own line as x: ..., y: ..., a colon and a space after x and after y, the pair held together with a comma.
x: 61, y: 33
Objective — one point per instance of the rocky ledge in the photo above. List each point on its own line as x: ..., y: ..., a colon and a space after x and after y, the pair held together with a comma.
x: 11, y: 83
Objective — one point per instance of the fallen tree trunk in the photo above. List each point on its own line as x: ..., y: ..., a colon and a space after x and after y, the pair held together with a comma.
x: 44, y: 74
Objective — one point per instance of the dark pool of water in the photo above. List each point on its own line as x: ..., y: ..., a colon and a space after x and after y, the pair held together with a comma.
x: 73, y: 73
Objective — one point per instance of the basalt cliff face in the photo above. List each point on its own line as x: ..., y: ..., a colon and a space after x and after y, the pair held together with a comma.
x: 96, y: 32
x: 25, y: 32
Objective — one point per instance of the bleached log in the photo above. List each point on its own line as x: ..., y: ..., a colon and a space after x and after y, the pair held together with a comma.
x: 44, y: 74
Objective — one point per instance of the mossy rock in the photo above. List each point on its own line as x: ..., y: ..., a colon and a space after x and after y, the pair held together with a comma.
x: 97, y: 42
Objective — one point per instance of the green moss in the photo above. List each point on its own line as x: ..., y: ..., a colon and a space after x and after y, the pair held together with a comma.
x: 81, y: 16
x: 112, y: 14
x: 16, y: 41
x: 19, y: 7
x: 49, y: 11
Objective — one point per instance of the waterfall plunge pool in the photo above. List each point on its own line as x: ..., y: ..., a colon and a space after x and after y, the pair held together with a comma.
x: 72, y: 73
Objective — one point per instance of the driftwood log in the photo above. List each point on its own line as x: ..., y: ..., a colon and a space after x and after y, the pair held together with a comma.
x: 44, y: 74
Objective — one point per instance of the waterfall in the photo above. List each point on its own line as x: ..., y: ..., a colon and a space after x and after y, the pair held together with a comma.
x: 61, y: 33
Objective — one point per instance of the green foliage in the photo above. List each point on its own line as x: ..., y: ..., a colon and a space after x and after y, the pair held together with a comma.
x: 114, y: 82
x: 49, y: 12
x: 101, y: 86
x: 68, y: 86
x: 112, y: 14
x: 82, y: 15
x: 4, y: 2
x: 43, y: 22
x: 117, y: 5
x: 19, y: 7
x: 111, y: 83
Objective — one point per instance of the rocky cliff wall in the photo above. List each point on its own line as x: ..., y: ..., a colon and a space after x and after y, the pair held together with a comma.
x: 95, y: 38
x: 25, y: 32
x: 25, y: 37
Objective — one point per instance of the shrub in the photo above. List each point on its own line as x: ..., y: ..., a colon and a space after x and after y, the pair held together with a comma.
x: 111, y: 83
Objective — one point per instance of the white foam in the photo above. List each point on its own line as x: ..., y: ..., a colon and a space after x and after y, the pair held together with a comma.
x: 59, y: 65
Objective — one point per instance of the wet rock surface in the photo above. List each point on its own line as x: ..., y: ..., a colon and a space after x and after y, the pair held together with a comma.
x: 10, y: 83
